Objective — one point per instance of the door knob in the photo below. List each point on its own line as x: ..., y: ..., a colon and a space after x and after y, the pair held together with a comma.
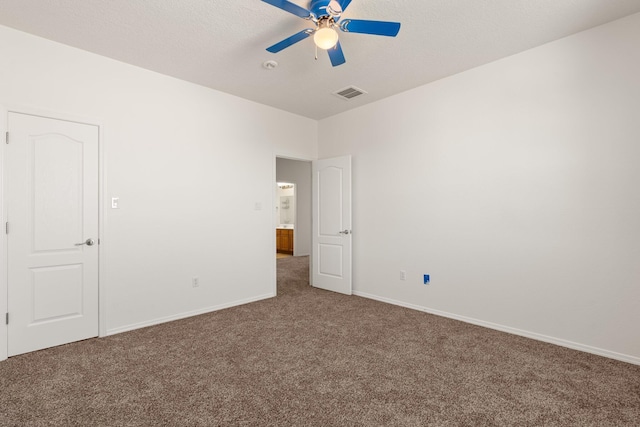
x: 88, y: 242
x: 344, y: 232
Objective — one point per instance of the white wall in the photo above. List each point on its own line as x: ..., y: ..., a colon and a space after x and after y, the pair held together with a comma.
x: 515, y: 185
x: 173, y: 151
x: 299, y: 172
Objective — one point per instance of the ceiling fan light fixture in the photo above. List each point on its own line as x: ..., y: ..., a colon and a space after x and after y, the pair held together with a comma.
x: 325, y: 36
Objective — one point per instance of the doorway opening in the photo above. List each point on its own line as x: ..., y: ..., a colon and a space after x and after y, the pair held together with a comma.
x: 292, y: 216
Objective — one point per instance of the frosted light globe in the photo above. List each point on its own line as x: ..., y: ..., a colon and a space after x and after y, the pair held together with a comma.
x: 325, y: 38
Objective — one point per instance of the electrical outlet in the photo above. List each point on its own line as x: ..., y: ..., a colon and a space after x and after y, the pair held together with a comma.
x: 195, y: 282
x: 427, y: 279
x: 403, y: 275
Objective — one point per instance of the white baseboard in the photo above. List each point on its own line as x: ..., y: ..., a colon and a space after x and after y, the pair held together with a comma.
x: 551, y: 340
x: 186, y: 314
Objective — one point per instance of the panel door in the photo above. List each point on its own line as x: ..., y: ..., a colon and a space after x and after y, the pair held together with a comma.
x: 332, y: 224
x: 52, y: 210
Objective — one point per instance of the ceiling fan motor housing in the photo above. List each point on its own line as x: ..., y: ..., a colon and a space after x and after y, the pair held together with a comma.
x: 319, y: 8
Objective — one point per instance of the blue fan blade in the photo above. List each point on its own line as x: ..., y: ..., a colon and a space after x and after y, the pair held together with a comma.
x: 379, y: 28
x: 344, y: 4
x: 289, y: 7
x: 336, y: 56
x: 291, y: 40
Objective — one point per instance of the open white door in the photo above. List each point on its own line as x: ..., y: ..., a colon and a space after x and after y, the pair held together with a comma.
x: 52, y: 240
x: 332, y: 224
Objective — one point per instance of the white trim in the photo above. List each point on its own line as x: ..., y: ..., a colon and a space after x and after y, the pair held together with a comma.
x: 102, y: 283
x: 4, y: 290
x: 289, y: 156
x: 539, y: 337
x: 57, y: 115
x: 102, y: 227
x: 274, y: 242
x: 187, y: 314
x: 273, y: 248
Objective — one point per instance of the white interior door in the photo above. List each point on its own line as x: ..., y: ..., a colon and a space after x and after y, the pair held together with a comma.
x: 52, y: 213
x: 332, y: 224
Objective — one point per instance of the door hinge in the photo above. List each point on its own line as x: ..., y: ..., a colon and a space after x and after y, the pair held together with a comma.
x: 6, y: 228
x: 6, y: 137
x: 7, y: 318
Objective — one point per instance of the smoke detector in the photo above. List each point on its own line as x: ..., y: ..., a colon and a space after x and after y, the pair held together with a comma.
x: 269, y: 65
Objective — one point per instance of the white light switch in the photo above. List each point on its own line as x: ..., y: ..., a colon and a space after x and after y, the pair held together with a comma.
x: 114, y: 202
x: 257, y: 206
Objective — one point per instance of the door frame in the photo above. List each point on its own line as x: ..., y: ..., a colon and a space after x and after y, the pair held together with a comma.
x: 102, y: 247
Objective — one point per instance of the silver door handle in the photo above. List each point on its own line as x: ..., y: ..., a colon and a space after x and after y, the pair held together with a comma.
x: 344, y: 232
x: 88, y: 242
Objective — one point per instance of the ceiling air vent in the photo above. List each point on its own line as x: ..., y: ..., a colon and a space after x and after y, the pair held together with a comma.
x: 349, y: 93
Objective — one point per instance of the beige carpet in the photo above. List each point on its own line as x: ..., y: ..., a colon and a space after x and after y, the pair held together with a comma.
x: 315, y: 358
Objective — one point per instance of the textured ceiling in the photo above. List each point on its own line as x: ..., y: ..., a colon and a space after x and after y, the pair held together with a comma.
x: 221, y: 44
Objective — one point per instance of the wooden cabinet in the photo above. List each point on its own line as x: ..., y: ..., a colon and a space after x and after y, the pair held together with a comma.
x: 284, y: 241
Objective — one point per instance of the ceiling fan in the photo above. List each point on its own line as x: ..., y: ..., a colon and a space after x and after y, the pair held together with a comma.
x: 325, y: 14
